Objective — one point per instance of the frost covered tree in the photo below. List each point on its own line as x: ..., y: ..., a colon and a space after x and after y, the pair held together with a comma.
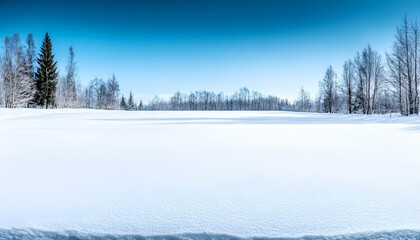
x: 66, y: 94
x: 327, y: 90
x: 370, y: 80
x: 102, y: 95
x: 70, y: 93
x: 304, y: 104
x: 113, y: 93
x: 93, y: 97
x: 30, y: 55
x: 30, y: 62
x: 403, y: 65
x: 17, y: 82
x: 1, y: 81
x: 347, y: 84
x: 60, y: 92
x: 1, y: 91
x: 395, y: 80
x: 46, y: 75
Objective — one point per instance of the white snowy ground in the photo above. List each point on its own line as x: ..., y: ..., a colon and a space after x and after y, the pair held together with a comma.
x: 241, y: 173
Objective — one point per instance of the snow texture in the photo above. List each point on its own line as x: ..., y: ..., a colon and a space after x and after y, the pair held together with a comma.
x: 269, y: 174
x: 32, y: 234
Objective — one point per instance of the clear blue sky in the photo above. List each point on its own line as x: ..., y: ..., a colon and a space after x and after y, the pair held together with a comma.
x: 158, y: 47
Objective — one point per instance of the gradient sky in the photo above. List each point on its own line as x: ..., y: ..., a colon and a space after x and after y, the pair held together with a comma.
x: 158, y: 47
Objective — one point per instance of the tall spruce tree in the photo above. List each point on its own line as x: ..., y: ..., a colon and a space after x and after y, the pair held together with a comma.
x: 46, y: 75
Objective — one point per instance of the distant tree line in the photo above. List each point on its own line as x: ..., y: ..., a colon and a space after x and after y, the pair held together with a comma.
x: 242, y: 100
x: 368, y: 84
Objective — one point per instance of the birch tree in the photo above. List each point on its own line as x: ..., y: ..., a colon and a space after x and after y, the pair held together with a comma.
x: 17, y: 82
x: 70, y: 92
x: 30, y: 62
x: 403, y: 65
x: 370, y: 78
x: 304, y: 104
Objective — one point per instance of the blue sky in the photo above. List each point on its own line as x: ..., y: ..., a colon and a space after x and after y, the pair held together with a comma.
x: 158, y: 47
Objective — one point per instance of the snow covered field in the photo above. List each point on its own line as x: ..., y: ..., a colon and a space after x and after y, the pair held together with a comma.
x: 270, y: 174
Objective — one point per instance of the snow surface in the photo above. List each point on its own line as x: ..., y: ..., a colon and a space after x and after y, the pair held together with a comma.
x: 29, y: 234
x: 271, y: 174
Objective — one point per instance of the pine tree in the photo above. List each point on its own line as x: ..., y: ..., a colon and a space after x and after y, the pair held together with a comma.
x: 46, y: 75
x: 131, y: 103
x: 123, y: 103
x: 140, y: 107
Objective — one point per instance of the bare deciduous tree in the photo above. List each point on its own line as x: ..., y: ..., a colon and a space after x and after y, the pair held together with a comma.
x: 327, y: 87
x: 370, y: 78
x: 17, y: 81
x: 347, y: 84
x: 304, y: 103
x: 403, y: 64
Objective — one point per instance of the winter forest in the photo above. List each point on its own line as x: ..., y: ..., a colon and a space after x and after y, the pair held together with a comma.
x: 209, y: 120
x: 368, y: 83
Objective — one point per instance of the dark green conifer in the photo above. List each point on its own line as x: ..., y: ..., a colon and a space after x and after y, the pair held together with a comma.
x: 46, y: 75
x: 123, y: 103
x: 131, y: 103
